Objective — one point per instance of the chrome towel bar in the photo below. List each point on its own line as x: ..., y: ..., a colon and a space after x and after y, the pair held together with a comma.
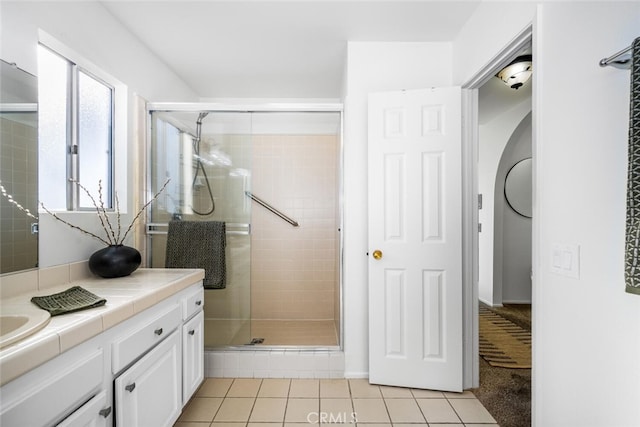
x: 270, y: 208
x: 620, y: 59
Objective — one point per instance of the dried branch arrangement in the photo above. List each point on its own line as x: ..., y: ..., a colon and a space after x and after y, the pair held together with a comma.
x: 17, y: 205
x: 113, y: 237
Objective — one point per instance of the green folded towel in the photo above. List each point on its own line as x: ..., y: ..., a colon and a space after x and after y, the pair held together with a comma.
x: 632, y: 236
x: 73, y: 299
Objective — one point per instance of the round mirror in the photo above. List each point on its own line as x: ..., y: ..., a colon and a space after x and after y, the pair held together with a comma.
x: 517, y: 187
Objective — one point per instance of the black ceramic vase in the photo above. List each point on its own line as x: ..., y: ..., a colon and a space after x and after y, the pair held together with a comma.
x: 115, y: 261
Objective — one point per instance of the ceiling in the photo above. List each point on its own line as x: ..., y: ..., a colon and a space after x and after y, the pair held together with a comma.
x: 278, y: 49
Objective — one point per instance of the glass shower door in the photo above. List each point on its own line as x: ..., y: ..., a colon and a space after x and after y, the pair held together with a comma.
x: 206, y: 156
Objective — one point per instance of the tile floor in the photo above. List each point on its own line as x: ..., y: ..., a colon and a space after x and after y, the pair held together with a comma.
x: 229, y: 402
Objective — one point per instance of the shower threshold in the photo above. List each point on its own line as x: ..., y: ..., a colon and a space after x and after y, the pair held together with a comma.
x: 224, y: 333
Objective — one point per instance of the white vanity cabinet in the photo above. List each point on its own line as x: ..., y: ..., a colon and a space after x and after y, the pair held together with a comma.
x: 49, y: 394
x: 148, y: 393
x: 139, y: 372
x: 192, y: 356
x: 192, y: 344
x: 94, y: 413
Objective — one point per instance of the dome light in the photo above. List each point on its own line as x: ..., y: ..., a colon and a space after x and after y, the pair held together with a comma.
x: 517, y: 72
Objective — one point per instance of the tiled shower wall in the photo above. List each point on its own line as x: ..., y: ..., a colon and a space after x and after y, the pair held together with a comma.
x: 19, y: 176
x: 294, y: 269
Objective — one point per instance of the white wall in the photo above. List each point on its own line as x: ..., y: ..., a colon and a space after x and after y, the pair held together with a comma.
x: 491, y: 27
x: 493, y: 137
x: 91, y: 31
x: 515, y: 229
x: 373, y: 67
x: 586, y: 330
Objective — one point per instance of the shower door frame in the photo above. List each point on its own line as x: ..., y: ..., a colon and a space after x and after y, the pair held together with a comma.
x: 277, y: 107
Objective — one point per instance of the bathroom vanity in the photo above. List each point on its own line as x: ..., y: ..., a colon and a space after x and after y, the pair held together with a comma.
x: 134, y: 362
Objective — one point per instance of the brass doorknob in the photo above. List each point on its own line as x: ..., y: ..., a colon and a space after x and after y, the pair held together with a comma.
x: 377, y: 254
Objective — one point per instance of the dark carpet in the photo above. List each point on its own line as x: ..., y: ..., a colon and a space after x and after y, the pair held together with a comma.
x: 506, y: 393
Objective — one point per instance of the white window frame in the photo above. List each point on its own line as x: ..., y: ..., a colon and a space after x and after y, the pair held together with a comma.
x: 118, y: 166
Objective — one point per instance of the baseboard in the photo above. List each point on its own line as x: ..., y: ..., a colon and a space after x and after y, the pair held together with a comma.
x: 488, y: 303
x: 514, y: 302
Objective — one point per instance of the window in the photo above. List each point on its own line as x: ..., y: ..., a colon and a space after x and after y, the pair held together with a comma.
x: 76, y: 133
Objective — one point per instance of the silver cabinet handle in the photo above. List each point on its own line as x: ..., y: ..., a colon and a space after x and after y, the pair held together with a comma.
x: 130, y: 387
x: 199, y: 302
x: 158, y: 331
x: 191, y: 332
x: 105, y: 412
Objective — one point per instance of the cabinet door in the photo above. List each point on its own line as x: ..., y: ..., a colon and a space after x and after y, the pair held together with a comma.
x: 192, y: 356
x: 94, y: 413
x: 148, y: 393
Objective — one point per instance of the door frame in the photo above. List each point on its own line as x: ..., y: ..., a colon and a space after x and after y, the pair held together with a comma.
x: 470, y: 249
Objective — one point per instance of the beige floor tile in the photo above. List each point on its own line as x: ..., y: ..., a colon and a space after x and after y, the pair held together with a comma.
x: 302, y: 410
x: 222, y: 424
x: 381, y: 425
x: 235, y: 409
x: 395, y: 392
x: 336, y: 411
x: 427, y: 394
x: 334, y: 389
x: 438, y: 411
x: 191, y: 424
x: 201, y: 409
x: 454, y: 425
x: 418, y: 424
x: 274, y: 387
x: 304, y: 388
x: 264, y: 424
x: 464, y: 395
x: 404, y: 411
x: 214, y: 387
x: 360, y: 388
x: 474, y: 425
x: 244, y: 387
x: 268, y: 409
x: 471, y: 411
x: 370, y: 411
x: 305, y: 424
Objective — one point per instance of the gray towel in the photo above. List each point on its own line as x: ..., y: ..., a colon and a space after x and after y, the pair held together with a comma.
x: 198, y: 244
x: 632, y: 238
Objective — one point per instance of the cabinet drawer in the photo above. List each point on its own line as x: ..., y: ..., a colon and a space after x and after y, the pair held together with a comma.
x: 192, y: 303
x: 137, y: 341
x: 57, y: 394
x: 94, y: 413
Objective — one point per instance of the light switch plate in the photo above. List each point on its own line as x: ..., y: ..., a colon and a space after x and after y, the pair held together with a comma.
x: 565, y: 260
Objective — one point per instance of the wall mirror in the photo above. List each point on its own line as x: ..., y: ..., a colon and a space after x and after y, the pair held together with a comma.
x: 18, y: 168
x: 517, y: 187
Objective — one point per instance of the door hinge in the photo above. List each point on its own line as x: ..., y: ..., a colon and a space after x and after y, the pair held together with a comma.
x: 479, y: 201
x: 479, y: 228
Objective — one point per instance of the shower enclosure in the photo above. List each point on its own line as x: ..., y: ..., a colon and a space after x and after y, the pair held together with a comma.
x: 273, y: 176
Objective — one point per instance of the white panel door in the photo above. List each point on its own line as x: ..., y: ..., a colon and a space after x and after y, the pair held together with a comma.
x: 415, y: 239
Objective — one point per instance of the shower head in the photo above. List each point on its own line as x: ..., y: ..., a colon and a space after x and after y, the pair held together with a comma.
x: 196, y: 142
x: 200, y: 117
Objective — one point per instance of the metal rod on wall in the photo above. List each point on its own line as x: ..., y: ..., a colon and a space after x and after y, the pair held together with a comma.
x: 271, y: 208
x: 620, y: 59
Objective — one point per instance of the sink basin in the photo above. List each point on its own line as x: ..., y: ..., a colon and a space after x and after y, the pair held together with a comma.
x: 18, y: 322
x: 9, y: 324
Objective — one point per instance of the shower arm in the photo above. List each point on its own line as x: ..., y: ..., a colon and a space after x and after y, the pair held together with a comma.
x: 270, y: 208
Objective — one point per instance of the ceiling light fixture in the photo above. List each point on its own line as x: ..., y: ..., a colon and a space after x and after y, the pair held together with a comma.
x: 517, y: 72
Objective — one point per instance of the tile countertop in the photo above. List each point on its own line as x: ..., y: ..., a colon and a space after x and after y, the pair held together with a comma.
x: 126, y: 296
